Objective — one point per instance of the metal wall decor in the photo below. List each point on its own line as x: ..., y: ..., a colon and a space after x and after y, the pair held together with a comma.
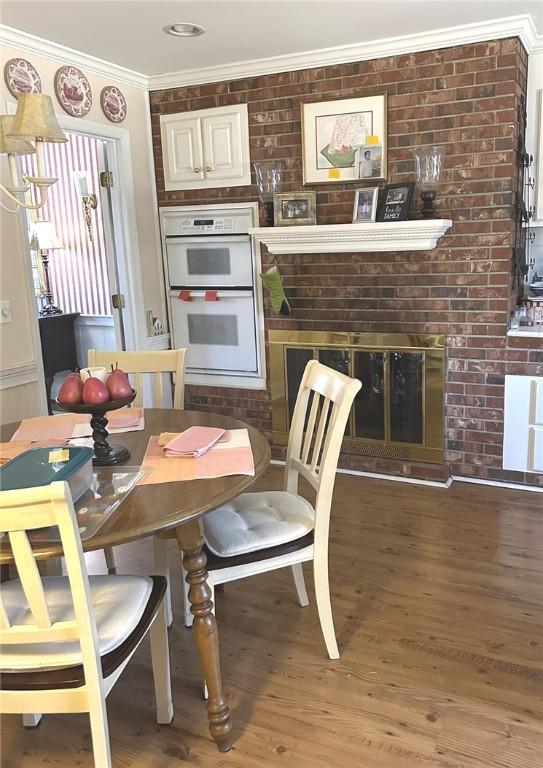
x: 113, y: 103
x: 73, y: 91
x: 21, y: 77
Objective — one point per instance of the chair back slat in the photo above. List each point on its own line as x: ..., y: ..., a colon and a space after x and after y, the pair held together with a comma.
x: 320, y: 434
x: 310, y: 426
x: 30, y: 578
x: 314, y: 453
x: 159, y: 400
x: 44, y: 506
x: 139, y: 365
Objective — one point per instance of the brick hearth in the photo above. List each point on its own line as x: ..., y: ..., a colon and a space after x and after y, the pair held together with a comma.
x: 467, y: 99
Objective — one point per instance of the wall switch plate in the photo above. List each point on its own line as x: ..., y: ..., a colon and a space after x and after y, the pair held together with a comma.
x: 5, y: 311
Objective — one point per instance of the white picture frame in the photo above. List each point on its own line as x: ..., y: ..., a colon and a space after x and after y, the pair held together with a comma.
x: 337, y: 134
x: 365, y: 205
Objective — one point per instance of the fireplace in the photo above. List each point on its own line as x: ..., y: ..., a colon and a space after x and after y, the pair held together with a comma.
x: 397, y: 414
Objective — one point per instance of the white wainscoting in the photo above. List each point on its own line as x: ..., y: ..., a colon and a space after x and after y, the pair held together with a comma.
x: 93, y: 332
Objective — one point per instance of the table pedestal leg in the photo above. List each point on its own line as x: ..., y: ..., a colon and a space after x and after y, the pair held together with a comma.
x: 204, y: 630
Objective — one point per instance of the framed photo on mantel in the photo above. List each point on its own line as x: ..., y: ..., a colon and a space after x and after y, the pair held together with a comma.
x: 395, y: 202
x: 345, y: 140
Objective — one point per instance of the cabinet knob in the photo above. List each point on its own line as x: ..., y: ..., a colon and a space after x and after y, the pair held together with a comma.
x: 208, y: 168
x: 197, y: 170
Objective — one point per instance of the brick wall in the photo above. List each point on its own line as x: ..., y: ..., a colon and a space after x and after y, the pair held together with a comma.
x: 467, y: 99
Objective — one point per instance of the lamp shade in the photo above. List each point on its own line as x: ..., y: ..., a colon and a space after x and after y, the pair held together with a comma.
x: 9, y: 144
x: 43, y: 237
x: 35, y: 119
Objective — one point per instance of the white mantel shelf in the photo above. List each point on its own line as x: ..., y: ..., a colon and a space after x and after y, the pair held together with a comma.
x: 420, y: 235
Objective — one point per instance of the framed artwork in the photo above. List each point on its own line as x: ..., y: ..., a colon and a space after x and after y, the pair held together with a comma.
x: 73, y: 91
x: 395, y: 202
x: 21, y: 77
x: 365, y: 205
x: 291, y: 208
x: 345, y: 140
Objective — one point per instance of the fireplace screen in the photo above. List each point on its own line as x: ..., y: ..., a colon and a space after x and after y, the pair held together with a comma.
x: 398, y: 413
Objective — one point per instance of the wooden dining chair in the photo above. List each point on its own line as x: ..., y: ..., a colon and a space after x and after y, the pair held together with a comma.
x: 138, y: 365
x: 143, y: 363
x: 66, y: 640
x: 260, y: 532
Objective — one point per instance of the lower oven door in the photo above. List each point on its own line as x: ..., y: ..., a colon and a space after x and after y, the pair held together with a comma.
x: 217, y: 328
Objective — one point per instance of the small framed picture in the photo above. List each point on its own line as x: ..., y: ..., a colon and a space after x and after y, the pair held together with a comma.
x: 365, y: 205
x: 369, y: 162
x: 395, y: 202
x: 291, y: 208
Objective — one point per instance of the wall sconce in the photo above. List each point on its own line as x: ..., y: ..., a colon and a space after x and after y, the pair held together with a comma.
x: 428, y: 167
x: 24, y: 133
x: 89, y: 199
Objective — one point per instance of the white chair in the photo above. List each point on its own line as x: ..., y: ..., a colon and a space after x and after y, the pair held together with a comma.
x: 260, y: 532
x: 138, y: 365
x: 66, y: 640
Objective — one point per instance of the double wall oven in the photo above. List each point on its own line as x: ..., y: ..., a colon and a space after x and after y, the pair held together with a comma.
x: 214, y: 301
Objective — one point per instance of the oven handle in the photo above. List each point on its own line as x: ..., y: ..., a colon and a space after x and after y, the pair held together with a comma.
x: 220, y: 295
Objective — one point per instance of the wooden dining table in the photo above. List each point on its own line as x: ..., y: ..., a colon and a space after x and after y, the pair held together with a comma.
x: 178, y: 507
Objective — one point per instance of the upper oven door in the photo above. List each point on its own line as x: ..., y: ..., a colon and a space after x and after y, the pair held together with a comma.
x: 209, y: 261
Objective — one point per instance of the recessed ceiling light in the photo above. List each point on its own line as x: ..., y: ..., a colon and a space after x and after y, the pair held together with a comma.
x: 184, y: 29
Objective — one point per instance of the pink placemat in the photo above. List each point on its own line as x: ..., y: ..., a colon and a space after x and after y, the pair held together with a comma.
x: 9, y: 451
x: 45, y: 428
x: 231, y: 456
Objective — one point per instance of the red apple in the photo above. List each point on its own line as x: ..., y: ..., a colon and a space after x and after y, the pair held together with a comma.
x: 95, y: 392
x: 71, y: 391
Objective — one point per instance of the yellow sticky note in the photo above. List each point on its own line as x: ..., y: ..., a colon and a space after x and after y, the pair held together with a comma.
x: 372, y: 139
x: 59, y: 454
x: 334, y: 173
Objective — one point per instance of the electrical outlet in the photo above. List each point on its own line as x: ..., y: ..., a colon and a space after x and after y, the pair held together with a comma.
x: 5, y: 311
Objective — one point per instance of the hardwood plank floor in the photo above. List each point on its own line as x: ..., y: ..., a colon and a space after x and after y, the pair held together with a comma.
x: 437, y: 598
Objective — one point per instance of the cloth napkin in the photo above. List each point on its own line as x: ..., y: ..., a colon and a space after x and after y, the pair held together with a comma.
x: 193, y: 442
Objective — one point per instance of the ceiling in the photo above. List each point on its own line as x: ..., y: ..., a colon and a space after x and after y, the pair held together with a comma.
x: 129, y: 32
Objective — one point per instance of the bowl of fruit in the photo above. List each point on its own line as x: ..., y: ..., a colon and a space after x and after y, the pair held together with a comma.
x: 94, y: 391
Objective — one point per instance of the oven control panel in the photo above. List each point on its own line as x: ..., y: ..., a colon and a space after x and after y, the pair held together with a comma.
x: 206, y: 225
x: 195, y: 223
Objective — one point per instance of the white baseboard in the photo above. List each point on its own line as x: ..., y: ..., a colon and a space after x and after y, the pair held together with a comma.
x: 433, y: 483
x: 162, y: 341
x: 379, y: 476
x: 498, y: 483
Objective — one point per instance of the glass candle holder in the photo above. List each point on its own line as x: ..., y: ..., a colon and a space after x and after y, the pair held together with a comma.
x: 428, y: 166
x: 268, y: 180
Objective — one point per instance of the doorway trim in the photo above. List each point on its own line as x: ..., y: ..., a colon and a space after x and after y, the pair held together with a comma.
x: 124, y: 220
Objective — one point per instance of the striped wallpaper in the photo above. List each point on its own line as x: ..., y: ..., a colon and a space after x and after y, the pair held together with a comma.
x: 79, y: 271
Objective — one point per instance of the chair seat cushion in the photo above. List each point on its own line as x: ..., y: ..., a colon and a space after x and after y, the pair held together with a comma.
x: 256, y: 521
x: 118, y: 603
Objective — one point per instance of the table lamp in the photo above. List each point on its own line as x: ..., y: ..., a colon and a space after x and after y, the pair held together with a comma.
x: 268, y: 179
x: 43, y: 239
x: 428, y: 166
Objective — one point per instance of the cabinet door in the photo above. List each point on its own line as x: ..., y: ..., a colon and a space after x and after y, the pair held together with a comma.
x: 182, y: 151
x: 226, y: 146
x: 523, y: 424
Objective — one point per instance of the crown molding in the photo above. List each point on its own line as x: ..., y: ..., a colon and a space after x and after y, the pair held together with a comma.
x: 521, y: 26
x: 64, y: 55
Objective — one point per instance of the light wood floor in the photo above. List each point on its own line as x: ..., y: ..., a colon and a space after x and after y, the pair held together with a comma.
x: 437, y: 597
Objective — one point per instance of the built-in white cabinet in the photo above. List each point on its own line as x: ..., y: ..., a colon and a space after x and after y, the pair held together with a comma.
x: 523, y: 423
x: 207, y: 148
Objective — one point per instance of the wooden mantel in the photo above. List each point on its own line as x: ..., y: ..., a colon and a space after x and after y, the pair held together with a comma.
x: 420, y: 235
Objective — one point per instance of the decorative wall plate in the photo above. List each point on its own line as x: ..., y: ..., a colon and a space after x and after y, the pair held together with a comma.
x: 113, y: 103
x: 73, y: 91
x: 21, y: 77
